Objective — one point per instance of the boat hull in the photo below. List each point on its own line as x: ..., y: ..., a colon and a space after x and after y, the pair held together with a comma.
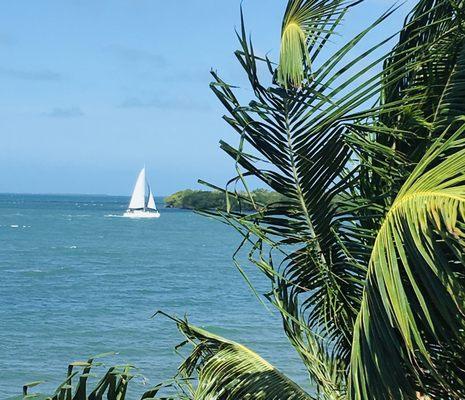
x: 141, y: 214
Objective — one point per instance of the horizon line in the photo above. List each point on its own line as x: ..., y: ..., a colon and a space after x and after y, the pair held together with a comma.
x: 70, y: 194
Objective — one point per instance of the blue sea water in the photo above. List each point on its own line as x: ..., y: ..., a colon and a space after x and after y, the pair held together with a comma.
x: 77, y: 280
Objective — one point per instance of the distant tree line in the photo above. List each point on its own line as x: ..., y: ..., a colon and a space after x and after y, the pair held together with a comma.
x: 213, y: 199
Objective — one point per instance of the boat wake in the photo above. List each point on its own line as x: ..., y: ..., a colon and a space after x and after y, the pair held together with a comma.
x: 14, y: 226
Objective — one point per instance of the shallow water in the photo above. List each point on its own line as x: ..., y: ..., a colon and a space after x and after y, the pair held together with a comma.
x: 77, y: 280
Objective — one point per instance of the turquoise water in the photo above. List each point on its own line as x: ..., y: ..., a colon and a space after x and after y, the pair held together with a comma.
x: 77, y: 280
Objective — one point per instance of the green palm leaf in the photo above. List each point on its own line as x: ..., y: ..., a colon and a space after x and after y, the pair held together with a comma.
x: 228, y: 370
x: 412, y: 313
x: 451, y: 104
x: 430, y: 86
x: 305, y: 23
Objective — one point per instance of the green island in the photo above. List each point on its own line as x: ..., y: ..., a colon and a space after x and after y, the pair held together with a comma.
x: 190, y: 199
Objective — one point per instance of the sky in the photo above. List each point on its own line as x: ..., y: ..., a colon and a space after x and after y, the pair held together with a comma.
x: 90, y: 91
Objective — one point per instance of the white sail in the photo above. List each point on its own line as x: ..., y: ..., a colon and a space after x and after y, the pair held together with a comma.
x: 151, y: 202
x: 138, y: 195
x: 139, y: 206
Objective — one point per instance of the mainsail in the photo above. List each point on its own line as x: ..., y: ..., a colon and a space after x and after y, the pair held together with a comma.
x: 138, y: 195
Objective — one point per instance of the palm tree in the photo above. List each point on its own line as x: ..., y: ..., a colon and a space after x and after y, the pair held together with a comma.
x: 364, y: 253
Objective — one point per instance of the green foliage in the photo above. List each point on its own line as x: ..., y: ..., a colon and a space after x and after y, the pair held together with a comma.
x: 207, y: 200
x: 112, y: 385
x: 219, y: 364
x: 305, y: 24
x: 411, y: 284
x: 372, y: 287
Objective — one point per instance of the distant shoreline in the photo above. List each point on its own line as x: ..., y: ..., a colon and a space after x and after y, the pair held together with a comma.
x: 190, y: 199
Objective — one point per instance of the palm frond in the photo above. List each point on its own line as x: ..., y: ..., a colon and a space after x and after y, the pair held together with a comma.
x: 113, y: 385
x: 412, y: 313
x: 451, y: 104
x: 305, y: 23
x: 228, y: 370
x: 429, y: 45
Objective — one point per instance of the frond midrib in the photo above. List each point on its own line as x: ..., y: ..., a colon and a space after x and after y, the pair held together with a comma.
x: 398, y: 203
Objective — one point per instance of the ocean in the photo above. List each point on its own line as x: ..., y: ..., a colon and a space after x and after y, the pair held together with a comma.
x: 77, y: 280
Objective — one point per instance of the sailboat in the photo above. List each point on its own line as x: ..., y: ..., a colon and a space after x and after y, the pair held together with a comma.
x: 141, y: 205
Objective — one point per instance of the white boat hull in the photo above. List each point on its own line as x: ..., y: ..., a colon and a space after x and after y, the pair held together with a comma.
x: 141, y: 214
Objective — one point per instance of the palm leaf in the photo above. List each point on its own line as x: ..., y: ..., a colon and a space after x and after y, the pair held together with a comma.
x: 451, y: 104
x: 228, y: 370
x: 413, y: 308
x: 305, y: 23
x: 113, y: 385
x: 429, y: 46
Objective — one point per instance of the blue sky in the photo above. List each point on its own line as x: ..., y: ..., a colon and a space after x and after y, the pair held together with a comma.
x: 92, y: 90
